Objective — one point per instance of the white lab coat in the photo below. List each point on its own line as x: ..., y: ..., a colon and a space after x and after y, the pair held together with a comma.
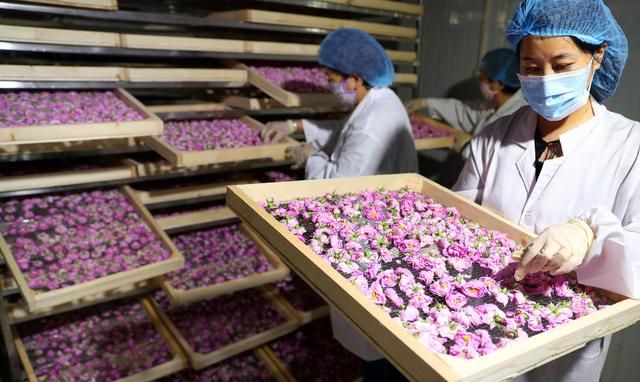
x: 471, y: 119
x: 375, y: 139
x: 597, y: 179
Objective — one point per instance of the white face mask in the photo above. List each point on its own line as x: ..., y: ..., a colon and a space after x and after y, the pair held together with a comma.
x: 347, y: 97
x: 556, y: 96
x: 486, y: 91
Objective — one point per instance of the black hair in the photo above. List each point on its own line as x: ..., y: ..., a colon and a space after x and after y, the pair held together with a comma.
x: 586, y: 47
x: 509, y: 90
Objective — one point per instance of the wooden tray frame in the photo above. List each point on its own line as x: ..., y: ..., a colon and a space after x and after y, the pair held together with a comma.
x: 456, y: 141
x: 405, y: 79
x: 306, y: 316
x: 151, y: 125
x: 37, y: 301
x: 174, y: 365
x: 230, y: 77
x: 147, y: 41
x: 67, y: 178
x: 273, y: 151
x: 285, y: 97
x: 189, y: 192
x: 298, y: 20
x: 117, y: 144
x: 18, y: 312
x: 200, y: 361
x: 263, y: 354
x: 385, y: 5
x: 283, y: 370
x: 403, y: 350
x: 196, y: 218
x: 183, y: 297
x: 248, y: 103
x: 110, y: 5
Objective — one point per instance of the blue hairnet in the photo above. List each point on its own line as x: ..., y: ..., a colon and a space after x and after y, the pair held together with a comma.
x: 590, y: 21
x: 502, y: 65
x: 355, y: 52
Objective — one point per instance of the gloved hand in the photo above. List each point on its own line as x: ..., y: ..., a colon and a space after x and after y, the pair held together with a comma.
x: 276, y: 131
x: 415, y: 105
x: 558, y: 249
x: 299, y: 154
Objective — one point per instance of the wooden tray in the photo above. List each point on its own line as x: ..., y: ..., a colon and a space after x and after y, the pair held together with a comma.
x: 190, y: 192
x: 188, y: 107
x: 117, y: 144
x: 273, y: 151
x: 40, y: 300
x: 304, y: 316
x: 456, y: 141
x: 148, y: 41
x: 110, y: 5
x: 18, y: 312
x: 66, y: 178
x: 283, y: 96
x: 196, y: 218
x: 385, y: 5
x: 176, y: 364
x: 151, y: 125
x: 405, y: 79
x: 298, y: 20
x: 248, y: 103
x: 279, y: 271
x: 266, y: 356
x: 284, y: 374
x: 403, y: 350
x: 58, y: 36
x: 199, y: 361
x: 230, y: 77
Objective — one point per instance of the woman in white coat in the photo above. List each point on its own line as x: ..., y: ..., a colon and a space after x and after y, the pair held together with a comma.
x: 374, y: 139
x: 566, y: 167
x: 499, y: 86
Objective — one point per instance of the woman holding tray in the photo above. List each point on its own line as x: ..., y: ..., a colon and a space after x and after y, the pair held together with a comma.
x: 374, y: 139
x: 566, y: 167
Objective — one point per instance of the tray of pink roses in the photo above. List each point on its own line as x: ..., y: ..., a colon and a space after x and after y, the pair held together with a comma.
x: 63, y: 247
x: 427, y: 276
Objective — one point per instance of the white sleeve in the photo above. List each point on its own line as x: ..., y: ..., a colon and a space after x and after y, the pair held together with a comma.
x: 360, y: 154
x: 614, y: 260
x: 470, y: 183
x: 457, y: 114
x: 321, y: 132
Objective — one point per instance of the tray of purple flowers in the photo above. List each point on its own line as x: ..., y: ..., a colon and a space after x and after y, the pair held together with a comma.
x: 302, y: 298
x: 211, y: 331
x: 124, y: 342
x: 291, y: 84
x: 54, y: 116
x: 251, y: 366
x: 210, y: 141
x: 62, y: 247
x: 221, y: 260
x: 431, y: 134
x: 428, y: 276
x: 313, y: 343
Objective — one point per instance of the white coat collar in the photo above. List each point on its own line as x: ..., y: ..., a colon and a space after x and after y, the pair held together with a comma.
x: 572, y: 138
x: 372, y: 95
x: 525, y: 129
